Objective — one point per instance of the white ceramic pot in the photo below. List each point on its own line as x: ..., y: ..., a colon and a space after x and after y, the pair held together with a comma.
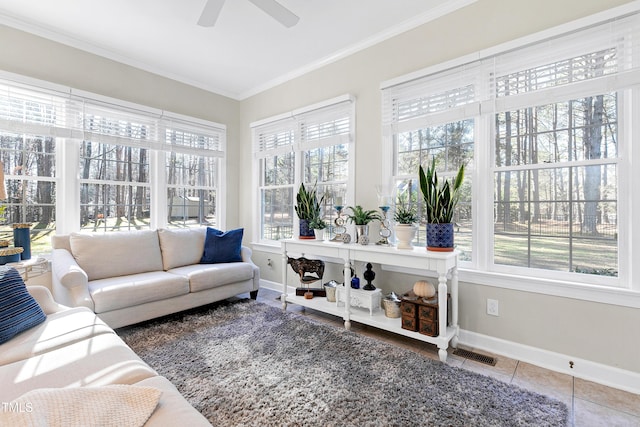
x: 405, y: 233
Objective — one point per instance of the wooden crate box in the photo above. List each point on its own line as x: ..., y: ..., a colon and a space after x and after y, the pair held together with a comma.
x: 420, y: 315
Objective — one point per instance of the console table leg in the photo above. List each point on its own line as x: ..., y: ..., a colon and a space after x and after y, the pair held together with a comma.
x: 442, y: 354
x: 347, y: 324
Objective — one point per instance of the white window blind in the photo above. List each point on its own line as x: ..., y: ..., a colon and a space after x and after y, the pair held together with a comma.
x: 65, y: 114
x: 193, y: 138
x: 274, y: 138
x: 449, y: 96
x: 316, y: 126
x: 599, y: 59
x: 37, y: 112
x: 109, y: 124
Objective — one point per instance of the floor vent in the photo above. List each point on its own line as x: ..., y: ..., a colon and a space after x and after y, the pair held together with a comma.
x: 487, y: 360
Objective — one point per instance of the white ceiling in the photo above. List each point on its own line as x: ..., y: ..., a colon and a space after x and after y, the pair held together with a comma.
x: 246, y: 52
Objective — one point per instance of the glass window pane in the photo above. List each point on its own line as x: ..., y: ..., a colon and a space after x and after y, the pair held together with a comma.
x: 557, y: 218
x: 574, y: 130
x: 278, y: 170
x: 277, y: 213
x: 191, y: 190
x: 188, y: 207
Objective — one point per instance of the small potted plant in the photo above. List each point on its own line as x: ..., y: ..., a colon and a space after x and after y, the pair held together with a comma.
x: 440, y: 199
x: 307, y: 208
x: 361, y: 218
x: 405, y: 217
x: 318, y: 225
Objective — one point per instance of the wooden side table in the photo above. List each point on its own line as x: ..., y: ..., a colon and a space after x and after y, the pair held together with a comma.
x: 30, y: 268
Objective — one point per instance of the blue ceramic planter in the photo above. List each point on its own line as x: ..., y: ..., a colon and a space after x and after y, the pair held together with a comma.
x: 440, y: 237
x: 22, y: 239
x: 4, y: 259
x: 306, y: 232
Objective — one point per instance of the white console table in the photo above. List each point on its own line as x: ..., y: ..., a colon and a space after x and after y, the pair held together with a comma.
x: 443, y: 263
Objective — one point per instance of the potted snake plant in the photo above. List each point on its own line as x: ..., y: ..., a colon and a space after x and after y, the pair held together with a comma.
x: 440, y: 199
x: 307, y: 208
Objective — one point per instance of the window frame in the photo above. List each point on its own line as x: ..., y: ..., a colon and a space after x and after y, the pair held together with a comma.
x: 68, y: 128
x: 296, y: 121
x: 482, y: 270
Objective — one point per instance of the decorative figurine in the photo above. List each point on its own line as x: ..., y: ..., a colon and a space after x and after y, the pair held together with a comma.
x: 369, y: 275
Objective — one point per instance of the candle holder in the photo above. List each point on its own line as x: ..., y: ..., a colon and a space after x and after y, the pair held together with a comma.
x: 385, y: 231
x: 339, y: 228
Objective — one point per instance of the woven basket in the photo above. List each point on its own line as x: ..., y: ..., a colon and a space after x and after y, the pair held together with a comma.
x: 21, y: 225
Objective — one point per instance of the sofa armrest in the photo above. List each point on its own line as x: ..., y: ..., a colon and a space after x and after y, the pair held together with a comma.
x: 246, y: 253
x: 67, y: 271
x: 69, y: 282
x: 45, y: 300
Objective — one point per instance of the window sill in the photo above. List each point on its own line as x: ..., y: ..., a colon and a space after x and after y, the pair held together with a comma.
x: 586, y: 292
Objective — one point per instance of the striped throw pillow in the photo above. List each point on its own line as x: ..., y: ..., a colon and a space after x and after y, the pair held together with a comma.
x: 18, y: 310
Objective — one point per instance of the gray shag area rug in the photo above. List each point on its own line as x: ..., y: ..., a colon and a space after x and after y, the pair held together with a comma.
x: 250, y: 364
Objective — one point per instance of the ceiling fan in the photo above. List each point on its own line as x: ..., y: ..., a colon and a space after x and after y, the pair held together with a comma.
x: 271, y: 7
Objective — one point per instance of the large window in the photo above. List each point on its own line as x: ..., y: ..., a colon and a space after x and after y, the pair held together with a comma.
x: 310, y: 146
x: 545, y: 131
x: 137, y: 167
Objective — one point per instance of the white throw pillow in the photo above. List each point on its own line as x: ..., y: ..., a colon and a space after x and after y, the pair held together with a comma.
x: 116, y: 253
x: 181, y: 247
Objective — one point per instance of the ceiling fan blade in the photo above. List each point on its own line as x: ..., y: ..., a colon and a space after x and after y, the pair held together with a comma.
x: 277, y: 12
x: 210, y: 13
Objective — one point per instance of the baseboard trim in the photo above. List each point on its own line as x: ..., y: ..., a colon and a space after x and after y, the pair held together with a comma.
x: 582, y: 368
x: 268, y: 284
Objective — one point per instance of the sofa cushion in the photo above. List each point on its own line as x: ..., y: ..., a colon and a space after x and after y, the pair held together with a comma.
x: 18, y: 310
x: 222, y: 247
x: 59, y: 329
x: 100, y: 360
x: 128, y: 252
x: 128, y: 291
x: 182, y: 246
x: 207, y: 276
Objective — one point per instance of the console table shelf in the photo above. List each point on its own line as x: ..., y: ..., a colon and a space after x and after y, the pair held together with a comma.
x: 445, y: 264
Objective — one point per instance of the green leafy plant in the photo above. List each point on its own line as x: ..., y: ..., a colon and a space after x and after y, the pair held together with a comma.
x: 317, y: 224
x: 359, y: 216
x: 405, y: 212
x: 307, y: 203
x: 440, y: 198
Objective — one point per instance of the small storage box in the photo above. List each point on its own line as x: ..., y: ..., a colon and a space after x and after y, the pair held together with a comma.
x: 420, y: 315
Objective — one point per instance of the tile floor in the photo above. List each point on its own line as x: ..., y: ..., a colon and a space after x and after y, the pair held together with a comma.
x: 590, y: 404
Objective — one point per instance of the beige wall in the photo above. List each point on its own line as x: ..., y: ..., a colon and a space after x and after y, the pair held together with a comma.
x: 597, y: 332
x: 600, y: 333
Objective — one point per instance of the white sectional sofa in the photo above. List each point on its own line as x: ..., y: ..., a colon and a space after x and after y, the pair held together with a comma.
x: 47, y: 370
x: 129, y: 277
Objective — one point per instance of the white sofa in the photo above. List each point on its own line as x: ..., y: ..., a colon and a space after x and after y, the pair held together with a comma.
x: 72, y: 351
x: 129, y: 277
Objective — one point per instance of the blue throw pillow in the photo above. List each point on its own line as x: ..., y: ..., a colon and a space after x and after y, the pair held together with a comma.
x: 222, y: 246
x: 18, y: 310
